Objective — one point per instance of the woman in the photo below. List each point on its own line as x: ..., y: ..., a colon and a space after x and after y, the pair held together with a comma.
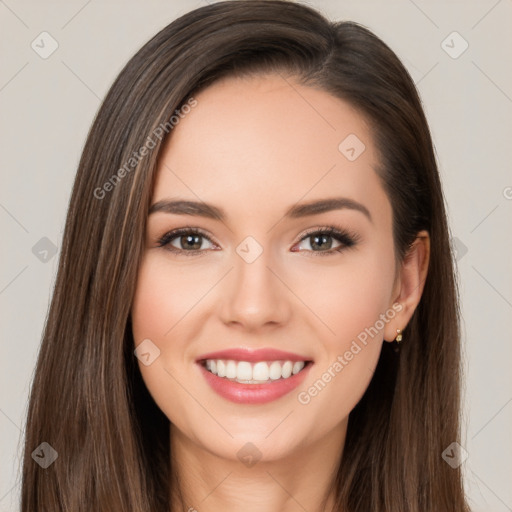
x: 255, y: 304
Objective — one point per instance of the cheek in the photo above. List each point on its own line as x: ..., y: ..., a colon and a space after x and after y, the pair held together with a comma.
x: 353, y: 300
x: 161, y: 300
x: 164, y: 296
x: 350, y: 296
x: 152, y: 305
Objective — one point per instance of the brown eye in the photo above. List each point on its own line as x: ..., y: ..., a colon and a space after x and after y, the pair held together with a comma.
x: 188, y: 241
x: 193, y: 242
x: 320, y: 241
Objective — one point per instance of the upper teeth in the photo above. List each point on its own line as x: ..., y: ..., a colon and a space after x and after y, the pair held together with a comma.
x: 244, y: 371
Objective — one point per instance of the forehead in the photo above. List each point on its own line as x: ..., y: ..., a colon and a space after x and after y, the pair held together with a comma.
x: 267, y: 137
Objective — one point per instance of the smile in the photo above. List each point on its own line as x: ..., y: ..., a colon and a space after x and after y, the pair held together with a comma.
x: 253, y: 376
x: 246, y: 372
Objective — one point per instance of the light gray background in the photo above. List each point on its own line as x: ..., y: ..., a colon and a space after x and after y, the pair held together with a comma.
x: 47, y: 108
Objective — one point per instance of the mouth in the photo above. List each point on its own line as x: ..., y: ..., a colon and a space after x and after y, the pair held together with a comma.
x: 253, y: 377
x: 246, y: 372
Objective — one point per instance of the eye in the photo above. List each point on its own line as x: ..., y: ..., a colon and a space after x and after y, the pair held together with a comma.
x: 187, y: 241
x: 320, y: 240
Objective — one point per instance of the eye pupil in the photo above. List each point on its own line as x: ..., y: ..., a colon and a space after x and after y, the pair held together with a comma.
x: 191, y: 241
x: 323, y: 239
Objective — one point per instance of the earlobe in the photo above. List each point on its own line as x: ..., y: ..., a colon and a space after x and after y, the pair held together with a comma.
x: 411, y: 279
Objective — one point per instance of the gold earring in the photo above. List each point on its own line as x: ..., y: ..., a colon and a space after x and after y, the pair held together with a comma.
x: 398, y: 338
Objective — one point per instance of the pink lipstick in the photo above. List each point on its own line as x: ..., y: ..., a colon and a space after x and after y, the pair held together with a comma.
x: 253, y: 376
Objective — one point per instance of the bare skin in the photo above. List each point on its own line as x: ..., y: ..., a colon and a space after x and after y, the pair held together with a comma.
x: 255, y: 147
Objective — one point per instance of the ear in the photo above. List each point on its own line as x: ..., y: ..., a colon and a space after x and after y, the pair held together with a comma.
x: 409, y: 284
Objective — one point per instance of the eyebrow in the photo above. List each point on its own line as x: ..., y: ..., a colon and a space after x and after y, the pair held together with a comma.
x: 182, y: 207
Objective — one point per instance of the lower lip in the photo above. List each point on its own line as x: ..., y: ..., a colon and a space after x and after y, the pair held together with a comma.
x: 253, y: 393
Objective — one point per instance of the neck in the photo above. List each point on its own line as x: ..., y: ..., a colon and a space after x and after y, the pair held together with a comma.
x: 205, y: 482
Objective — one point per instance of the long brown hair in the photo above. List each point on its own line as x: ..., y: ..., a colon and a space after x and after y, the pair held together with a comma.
x: 88, y: 400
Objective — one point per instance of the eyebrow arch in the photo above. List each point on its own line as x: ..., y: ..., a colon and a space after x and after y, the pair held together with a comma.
x: 181, y: 207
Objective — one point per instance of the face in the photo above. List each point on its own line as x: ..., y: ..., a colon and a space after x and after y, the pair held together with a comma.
x: 299, y: 299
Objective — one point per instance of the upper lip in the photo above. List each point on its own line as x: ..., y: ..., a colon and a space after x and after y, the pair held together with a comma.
x: 246, y: 354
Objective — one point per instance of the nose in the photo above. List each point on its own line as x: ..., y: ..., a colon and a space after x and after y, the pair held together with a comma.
x: 254, y: 296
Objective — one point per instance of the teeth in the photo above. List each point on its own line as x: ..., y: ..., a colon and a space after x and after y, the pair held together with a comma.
x: 243, y: 371
x: 221, y: 368
x: 260, y: 372
x: 286, y: 370
x: 275, y: 370
x: 231, y: 370
x: 253, y: 373
x: 297, y: 367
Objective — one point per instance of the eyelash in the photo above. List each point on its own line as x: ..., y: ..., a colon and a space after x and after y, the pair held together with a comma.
x: 346, y: 238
